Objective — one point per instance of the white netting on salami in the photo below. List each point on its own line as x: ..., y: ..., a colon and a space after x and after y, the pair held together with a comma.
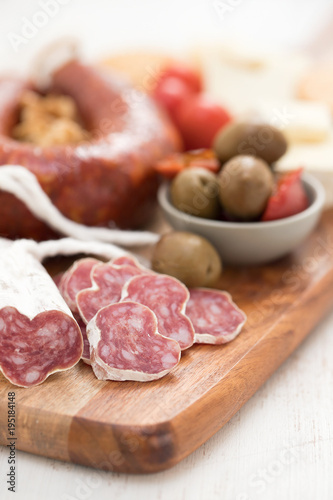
x: 125, y: 344
x: 67, y: 246
x: 167, y: 298
x: 72, y: 246
x: 5, y: 243
x: 108, y: 281
x: 215, y: 317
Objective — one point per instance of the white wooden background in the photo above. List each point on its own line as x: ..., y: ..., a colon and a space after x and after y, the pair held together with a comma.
x: 280, y: 444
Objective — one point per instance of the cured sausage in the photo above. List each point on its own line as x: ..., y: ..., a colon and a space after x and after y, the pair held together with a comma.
x: 107, y: 284
x: 215, y: 317
x: 128, y: 261
x: 75, y: 279
x: 167, y: 298
x: 38, y: 334
x: 108, y: 180
x: 126, y: 345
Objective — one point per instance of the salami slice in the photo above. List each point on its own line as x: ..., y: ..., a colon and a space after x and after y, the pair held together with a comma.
x: 75, y: 279
x: 38, y: 334
x: 127, y: 260
x: 167, y: 298
x: 215, y: 317
x: 108, y: 281
x: 126, y: 345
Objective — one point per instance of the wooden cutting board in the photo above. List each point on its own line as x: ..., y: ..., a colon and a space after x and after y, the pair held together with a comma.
x: 148, y: 427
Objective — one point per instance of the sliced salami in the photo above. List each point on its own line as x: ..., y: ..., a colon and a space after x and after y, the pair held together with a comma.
x: 126, y: 260
x: 38, y: 334
x: 108, y: 281
x: 215, y: 317
x: 167, y: 298
x: 75, y: 279
x: 126, y: 345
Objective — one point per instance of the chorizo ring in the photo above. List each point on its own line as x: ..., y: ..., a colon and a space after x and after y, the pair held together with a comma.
x: 106, y: 181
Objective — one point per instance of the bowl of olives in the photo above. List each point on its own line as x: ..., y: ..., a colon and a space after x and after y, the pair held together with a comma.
x: 250, y: 214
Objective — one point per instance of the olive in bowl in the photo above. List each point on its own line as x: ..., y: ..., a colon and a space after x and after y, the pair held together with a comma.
x: 250, y: 138
x: 245, y: 183
x: 251, y: 243
x: 195, y: 191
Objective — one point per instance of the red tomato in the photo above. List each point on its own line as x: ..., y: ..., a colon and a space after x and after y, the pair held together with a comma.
x: 289, y: 198
x: 187, y: 75
x: 199, y: 119
x: 173, y: 164
x: 170, y: 93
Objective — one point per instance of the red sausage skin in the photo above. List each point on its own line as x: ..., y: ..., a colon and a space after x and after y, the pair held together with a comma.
x: 106, y: 181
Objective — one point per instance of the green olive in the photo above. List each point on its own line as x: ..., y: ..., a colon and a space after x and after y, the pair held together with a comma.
x: 246, y: 183
x: 188, y: 257
x: 195, y: 191
x: 250, y: 138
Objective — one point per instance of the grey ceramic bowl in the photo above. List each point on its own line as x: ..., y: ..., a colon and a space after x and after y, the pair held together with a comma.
x: 251, y: 243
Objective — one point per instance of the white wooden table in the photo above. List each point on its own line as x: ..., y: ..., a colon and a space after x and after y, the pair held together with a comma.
x: 280, y: 444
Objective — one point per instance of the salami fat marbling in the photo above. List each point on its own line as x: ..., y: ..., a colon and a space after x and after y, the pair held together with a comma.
x: 167, y: 298
x: 75, y: 279
x: 215, y: 317
x: 125, y: 344
x: 107, y: 284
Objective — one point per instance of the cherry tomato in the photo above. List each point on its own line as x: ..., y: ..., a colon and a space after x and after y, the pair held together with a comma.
x: 170, y: 93
x: 289, y: 198
x: 199, y: 119
x: 187, y: 75
x: 171, y: 165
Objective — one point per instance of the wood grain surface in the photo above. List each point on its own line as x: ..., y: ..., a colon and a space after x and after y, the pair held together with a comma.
x: 148, y: 427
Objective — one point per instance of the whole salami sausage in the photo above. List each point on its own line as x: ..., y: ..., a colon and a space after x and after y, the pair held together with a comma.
x: 125, y: 344
x: 167, y: 298
x: 109, y: 179
x: 215, y: 317
x: 38, y: 334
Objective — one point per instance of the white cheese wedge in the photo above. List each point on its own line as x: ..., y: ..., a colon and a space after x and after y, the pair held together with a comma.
x: 238, y: 77
x: 300, y: 121
x: 310, y: 156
